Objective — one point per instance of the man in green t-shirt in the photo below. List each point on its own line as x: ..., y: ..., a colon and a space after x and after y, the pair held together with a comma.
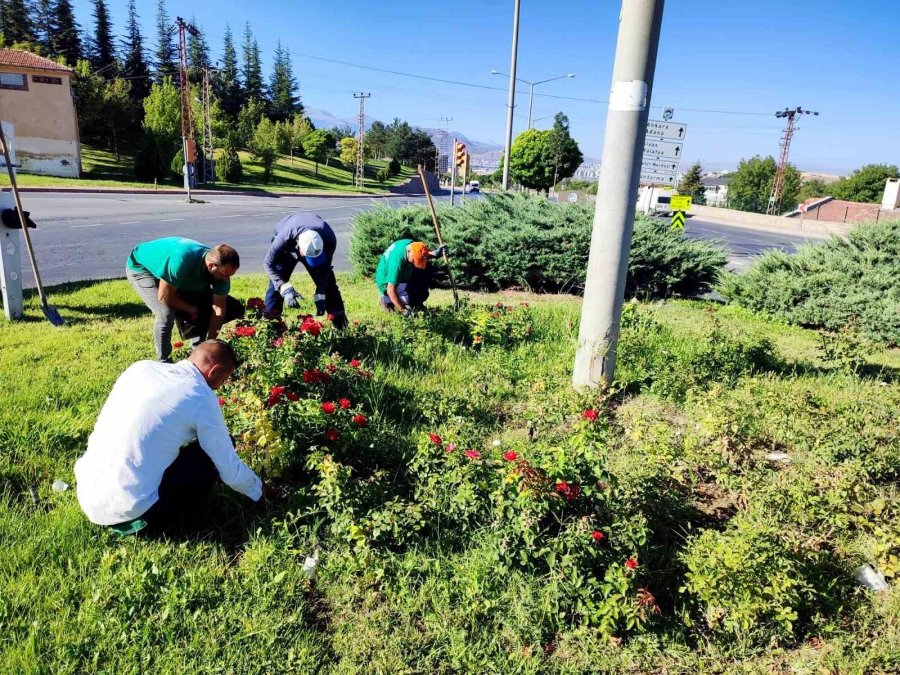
x: 403, y: 276
x: 184, y: 280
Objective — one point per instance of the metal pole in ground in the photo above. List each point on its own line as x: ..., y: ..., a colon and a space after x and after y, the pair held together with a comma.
x: 453, y: 173
x: 511, y: 104
x: 626, y: 126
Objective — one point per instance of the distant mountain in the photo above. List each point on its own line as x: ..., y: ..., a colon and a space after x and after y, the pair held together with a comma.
x: 443, y: 138
x: 322, y: 119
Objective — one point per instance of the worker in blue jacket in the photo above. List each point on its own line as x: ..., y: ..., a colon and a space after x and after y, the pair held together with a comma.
x: 304, y: 237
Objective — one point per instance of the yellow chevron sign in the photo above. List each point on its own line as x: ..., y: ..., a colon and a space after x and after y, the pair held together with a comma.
x: 678, y: 220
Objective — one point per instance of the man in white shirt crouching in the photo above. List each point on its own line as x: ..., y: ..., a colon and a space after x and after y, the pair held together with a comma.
x: 160, y: 444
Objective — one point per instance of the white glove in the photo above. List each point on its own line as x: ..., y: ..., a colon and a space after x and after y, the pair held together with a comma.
x: 291, y: 297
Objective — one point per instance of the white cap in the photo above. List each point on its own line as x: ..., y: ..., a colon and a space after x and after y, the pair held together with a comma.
x: 310, y: 244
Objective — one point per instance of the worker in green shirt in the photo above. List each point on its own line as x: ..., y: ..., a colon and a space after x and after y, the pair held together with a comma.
x: 403, y: 275
x: 185, y: 281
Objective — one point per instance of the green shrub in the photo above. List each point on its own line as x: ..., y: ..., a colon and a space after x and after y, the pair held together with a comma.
x: 382, y: 175
x: 520, y: 241
x: 229, y: 168
x: 149, y: 162
x: 836, y: 284
x: 393, y: 167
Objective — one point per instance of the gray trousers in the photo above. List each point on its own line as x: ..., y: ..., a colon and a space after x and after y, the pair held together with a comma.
x: 147, y: 286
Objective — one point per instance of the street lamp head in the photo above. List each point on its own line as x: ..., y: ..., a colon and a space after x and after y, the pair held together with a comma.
x: 496, y: 72
x: 571, y: 75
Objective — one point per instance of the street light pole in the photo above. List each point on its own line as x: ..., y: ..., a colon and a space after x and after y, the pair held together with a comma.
x: 511, y: 104
x: 533, y: 85
x: 626, y: 127
x: 530, y: 104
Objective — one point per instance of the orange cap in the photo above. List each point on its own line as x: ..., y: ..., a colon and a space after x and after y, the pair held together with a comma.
x: 420, y: 254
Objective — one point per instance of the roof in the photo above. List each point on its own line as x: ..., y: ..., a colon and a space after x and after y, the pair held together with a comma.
x: 710, y: 181
x: 20, y: 59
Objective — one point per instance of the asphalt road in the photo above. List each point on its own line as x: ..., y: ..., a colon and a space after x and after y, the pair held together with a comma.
x: 89, y: 236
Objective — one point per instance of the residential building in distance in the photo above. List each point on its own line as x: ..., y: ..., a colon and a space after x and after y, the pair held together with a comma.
x: 36, y: 98
x: 716, y: 192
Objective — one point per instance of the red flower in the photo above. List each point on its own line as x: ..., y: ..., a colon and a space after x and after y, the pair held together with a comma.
x: 256, y: 303
x: 316, y: 376
x: 275, y: 394
x: 568, y: 492
x: 277, y: 342
x: 472, y: 454
x: 355, y: 363
x: 245, y: 331
x: 177, y: 345
x: 311, y: 326
x: 590, y: 415
x: 332, y: 434
x: 291, y: 396
x: 510, y: 456
x: 331, y: 368
x: 328, y: 408
x: 434, y: 438
x: 221, y: 401
x: 631, y: 564
x: 330, y: 316
x: 450, y: 448
x: 597, y: 535
x: 360, y: 421
x: 344, y: 403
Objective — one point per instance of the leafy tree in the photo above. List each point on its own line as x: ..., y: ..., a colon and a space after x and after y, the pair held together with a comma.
x: 164, y: 57
x: 535, y: 160
x: 88, y: 89
x: 227, y: 84
x: 348, y: 146
x: 813, y: 188
x: 340, y: 132
x: 264, y: 146
x: 162, y: 118
x: 248, y: 119
x: 15, y: 22
x: 866, y: 184
x: 283, y: 87
x: 299, y: 128
x: 102, y: 51
x: 251, y: 71
x: 228, y: 166
x: 567, y: 156
x: 692, y: 184
x: 134, y: 67
x: 198, y: 53
x: 317, y: 146
x: 751, y: 185
x: 65, y: 41
x: 119, y: 111
x: 377, y: 139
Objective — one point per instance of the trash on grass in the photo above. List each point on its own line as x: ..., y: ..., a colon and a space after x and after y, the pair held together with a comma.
x: 871, y: 578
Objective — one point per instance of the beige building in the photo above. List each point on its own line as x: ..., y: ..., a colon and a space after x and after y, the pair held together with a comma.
x: 36, y: 98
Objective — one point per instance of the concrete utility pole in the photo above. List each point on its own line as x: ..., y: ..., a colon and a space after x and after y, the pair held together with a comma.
x: 360, y: 164
x: 209, y: 172
x: 511, y: 104
x: 187, y: 120
x: 623, y: 143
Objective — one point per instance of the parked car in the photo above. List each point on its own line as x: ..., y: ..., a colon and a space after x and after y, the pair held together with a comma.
x: 473, y: 186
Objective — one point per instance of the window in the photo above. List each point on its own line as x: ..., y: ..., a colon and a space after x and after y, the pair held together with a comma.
x: 13, y: 81
x: 42, y: 79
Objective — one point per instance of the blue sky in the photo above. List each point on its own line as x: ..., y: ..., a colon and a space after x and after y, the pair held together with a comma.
x: 749, y: 57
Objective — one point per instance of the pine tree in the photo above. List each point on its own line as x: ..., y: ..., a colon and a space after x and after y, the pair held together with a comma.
x: 164, y: 58
x: 692, y: 184
x: 198, y: 53
x: 251, y: 70
x: 227, y: 84
x: 65, y: 40
x: 134, y: 68
x: 283, y: 86
x: 15, y: 22
x: 102, y: 52
x: 44, y: 22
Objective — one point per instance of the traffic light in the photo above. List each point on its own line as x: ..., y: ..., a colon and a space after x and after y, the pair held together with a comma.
x: 461, y: 154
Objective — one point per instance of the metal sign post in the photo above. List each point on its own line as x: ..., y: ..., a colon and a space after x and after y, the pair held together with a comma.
x: 10, y: 264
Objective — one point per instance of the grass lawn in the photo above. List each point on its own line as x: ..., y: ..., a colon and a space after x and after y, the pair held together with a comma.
x: 101, y: 169
x: 748, y: 560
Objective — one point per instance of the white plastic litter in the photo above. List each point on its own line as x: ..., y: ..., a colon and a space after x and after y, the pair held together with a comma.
x: 311, y: 562
x: 778, y: 457
x: 60, y: 486
x: 871, y: 578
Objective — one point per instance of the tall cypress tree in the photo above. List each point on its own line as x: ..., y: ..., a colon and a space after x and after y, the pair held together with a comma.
x: 65, y: 40
x: 227, y: 84
x: 251, y: 70
x: 15, y: 22
x: 44, y: 21
x: 198, y: 53
x: 283, y: 86
x: 134, y: 68
x: 165, y: 56
x: 102, y: 51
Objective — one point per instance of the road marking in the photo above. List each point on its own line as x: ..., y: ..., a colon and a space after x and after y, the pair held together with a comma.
x: 131, y: 222
x: 171, y: 220
x: 75, y: 227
